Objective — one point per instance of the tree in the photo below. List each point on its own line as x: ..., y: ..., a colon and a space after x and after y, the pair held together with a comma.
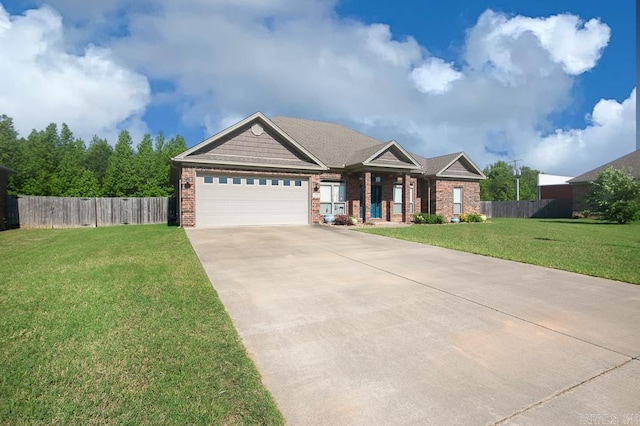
x: 528, y: 183
x: 500, y: 183
x: 97, y: 157
x: 120, y: 178
x: 10, y: 150
x: 63, y: 181
x: 40, y: 158
x: 149, y: 167
x: 615, y: 196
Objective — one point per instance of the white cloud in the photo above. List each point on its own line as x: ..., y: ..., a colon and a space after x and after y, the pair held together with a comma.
x: 608, y: 137
x: 378, y: 41
x: 42, y: 83
x: 228, y: 59
x: 434, y: 76
x: 574, y: 45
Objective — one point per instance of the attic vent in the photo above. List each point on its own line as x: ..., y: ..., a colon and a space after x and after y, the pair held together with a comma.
x: 257, y: 129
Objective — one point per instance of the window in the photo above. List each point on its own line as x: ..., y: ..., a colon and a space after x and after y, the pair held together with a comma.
x: 411, y: 199
x: 377, y: 179
x: 275, y: 182
x: 237, y: 181
x: 298, y: 183
x: 397, y: 199
x: 262, y: 182
x: 222, y: 180
x: 333, y: 197
x: 286, y: 182
x: 457, y: 200
x: 250, y: 181
x: 208, y: 179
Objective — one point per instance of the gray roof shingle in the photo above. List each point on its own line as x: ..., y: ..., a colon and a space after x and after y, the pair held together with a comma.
x: 333, y: 144
x: 629, y: 162
x: 434, y: 165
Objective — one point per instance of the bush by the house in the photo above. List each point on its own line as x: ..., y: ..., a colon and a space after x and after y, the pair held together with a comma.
x: 474, y: 217
x: 343, y: 219
x: 430, y: 219
x: 615, y: 196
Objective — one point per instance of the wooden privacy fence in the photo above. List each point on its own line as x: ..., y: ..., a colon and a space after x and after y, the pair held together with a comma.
x: 559, y: 208
x: 28, y: 211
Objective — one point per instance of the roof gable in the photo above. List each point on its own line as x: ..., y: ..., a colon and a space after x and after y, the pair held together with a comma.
x: 252, y: 142
x: 630, y: 162
x: 392, y: 155
x: 456, y: 165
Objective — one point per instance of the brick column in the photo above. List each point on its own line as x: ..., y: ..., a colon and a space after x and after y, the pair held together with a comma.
x: 406, y: 198
x: 314, y: 182
x: 367, y: 197
x: 188, y: 199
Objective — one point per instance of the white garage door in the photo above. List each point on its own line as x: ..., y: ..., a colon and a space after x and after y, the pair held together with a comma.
x: 223, y: 200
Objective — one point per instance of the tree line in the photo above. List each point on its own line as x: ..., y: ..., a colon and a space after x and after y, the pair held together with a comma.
x: 55, y: 163
x: 500, y: 184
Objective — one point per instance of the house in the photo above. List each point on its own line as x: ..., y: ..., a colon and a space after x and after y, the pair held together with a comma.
x: 580, y: 184
x: 4, y: 179
x: 294, y: 171
x: 554, y: 187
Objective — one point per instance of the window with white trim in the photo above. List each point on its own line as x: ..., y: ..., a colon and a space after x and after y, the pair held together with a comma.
x: 397, y: 199
x: 333, y: 198
x: 457, y: 200
x: 411, y: 199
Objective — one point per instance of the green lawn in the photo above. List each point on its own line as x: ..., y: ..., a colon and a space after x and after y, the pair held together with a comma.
x: 587, y: 247
x: 118, y: 325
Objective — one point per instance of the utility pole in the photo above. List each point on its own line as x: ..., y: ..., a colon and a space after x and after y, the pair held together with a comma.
x: 516, y: 175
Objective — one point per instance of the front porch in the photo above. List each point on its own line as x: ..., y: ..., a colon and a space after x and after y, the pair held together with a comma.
x: 370, y: 196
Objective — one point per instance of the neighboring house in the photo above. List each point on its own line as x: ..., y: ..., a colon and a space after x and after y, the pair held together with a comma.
x: 554, y: 187
x: 294, y: 171
x: 4, y: 178
x: 580, y: 184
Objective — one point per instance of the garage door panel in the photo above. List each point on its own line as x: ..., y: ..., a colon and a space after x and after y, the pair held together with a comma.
x: 241, y: 204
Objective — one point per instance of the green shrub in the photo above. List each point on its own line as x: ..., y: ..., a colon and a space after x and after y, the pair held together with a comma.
x: 615, y: 196
x: 463, y: 217
x: 425, y: 218
x: 474, y: 217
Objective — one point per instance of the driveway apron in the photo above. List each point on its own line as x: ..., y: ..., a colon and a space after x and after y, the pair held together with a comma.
x: 351, y: 328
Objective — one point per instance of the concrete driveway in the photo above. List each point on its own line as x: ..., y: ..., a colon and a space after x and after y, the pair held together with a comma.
x: 349, y: 328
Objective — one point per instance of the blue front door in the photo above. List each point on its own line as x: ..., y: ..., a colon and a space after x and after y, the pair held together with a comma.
x: 376, y: 202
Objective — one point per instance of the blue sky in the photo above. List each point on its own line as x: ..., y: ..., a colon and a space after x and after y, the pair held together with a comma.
x: 552, y: 83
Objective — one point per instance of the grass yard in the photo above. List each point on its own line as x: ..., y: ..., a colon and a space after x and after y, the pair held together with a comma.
x: 118, y: 325
x: 584, y: 246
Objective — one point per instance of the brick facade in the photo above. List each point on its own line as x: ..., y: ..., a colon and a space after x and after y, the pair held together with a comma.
x: 442, y: 196
x: 578, y: 198
x: 440, y: 191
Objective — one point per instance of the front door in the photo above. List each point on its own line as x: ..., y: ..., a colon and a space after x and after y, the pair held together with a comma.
x: 376, y: 202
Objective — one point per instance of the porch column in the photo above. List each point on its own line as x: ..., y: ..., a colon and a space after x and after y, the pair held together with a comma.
x: 406, y: 198
x: 366, y: 194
